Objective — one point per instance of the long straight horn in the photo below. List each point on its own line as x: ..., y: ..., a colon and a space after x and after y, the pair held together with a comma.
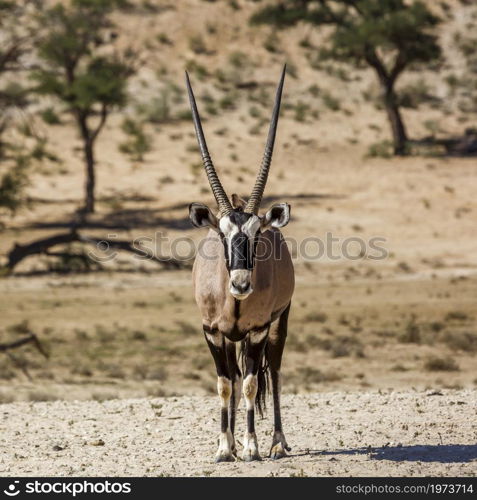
x: 255, y: 199
x: 221, y: 197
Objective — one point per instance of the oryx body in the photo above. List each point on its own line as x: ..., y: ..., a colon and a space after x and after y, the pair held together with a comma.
x: 272, y: 282
x: 243, y: 282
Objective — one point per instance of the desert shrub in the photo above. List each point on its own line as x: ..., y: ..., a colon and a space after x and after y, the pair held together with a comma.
x: 21, y: 328
x: 41, y: 395
x: 163, y: 39
x: 160, y: 109
x: 319, y: 317
x: 138, y: 142
x: 238, y: 59
x: 6, y: 398
x: 415, y: 94
x: 411, y: 334
x: 292, y: 70
x: 312, y: 375
x: 314, y: 90
x: 339, y: 346
x: 158, y: 373
x: 330, y: 101
x: 6, y: 371
x: 50, y: 116
x: 156, y: 392
x: 383, y: 149
x: 197, y: 44
x: 301, y: 110
x: 272, y: 43
x: 102, y: 396
x: 229, y: 101
x: 199, y: 70
x: 254, y: 112
x: 73, y: 260
x: 462, y: 341
x: 186, y: 328
x: 456, y: 316
x: 305, y: 43
x: 12, y: 186
x: 438, y: 364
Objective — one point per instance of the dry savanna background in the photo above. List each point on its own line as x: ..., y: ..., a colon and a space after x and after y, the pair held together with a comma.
x: 113, y: 325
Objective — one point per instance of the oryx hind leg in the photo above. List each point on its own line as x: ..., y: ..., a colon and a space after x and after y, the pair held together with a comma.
x: 274, y: 353
x: 255, y: 343
x: 216, y: 343
x: 236, y: 379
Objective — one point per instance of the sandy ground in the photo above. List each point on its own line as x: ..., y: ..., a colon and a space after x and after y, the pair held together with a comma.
x: 336, y: 433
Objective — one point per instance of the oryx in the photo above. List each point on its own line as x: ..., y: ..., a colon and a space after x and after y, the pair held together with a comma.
x: 243, y: 281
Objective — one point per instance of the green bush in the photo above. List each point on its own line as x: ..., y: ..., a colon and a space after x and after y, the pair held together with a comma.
x: 50, y: 117
x: 383, y: 149
x: 12, y: 186
x: 138, y: 142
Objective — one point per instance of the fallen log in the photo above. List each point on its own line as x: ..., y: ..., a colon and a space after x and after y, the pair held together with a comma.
x: 30, y: 339
x: 6, y: 347
x: 43, y: 246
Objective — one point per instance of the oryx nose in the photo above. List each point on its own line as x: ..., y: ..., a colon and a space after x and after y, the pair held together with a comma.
x: 241, y: 287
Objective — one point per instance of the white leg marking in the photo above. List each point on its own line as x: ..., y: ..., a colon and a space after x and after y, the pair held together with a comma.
x: 226, y: 447
x: 224, y: 389
x: 250, y: 388
x: 250, y: 443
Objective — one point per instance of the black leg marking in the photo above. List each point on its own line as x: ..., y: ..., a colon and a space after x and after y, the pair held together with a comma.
x: 224, y: 420
x: 216, y: 343
x: 251, y: 420
x: 277, y: 418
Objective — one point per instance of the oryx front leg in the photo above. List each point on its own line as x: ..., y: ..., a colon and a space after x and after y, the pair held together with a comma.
x: 216, y: 343
x: 254, y: 349
x: 226, y: 450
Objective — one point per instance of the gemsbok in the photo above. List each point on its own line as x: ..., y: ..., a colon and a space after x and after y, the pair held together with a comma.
x: 243, y: 281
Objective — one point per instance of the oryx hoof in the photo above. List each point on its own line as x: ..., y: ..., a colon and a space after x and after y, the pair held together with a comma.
x: 251, y: 456
x: 278, y: 451
x: 279, y: 446
x: 250, y: 448
x: 224, y: 457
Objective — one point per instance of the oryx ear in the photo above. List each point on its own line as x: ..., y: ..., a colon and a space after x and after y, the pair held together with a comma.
x: 278, y: 216
x: 238, y: 202
x: 201, y: 216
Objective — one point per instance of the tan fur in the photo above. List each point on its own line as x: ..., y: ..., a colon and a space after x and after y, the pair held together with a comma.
x: 250, y: 387
x: 224, y: 388
x: 272, y: 280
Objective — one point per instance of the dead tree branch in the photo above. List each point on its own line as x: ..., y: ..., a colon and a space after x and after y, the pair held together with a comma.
x: 42, y: 247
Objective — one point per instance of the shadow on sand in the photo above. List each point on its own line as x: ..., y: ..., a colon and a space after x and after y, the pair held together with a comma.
x: 444, y: 453
x: 147, y: 218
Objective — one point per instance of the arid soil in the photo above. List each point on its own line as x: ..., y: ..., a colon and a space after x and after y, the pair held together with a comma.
x: 337, y: 433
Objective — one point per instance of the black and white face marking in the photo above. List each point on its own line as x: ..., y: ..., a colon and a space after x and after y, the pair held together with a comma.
x: 239, y: 232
